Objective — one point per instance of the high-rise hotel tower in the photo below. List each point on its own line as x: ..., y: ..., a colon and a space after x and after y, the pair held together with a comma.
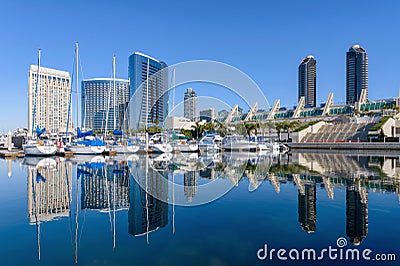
x: 150, y: 102
x: 48, y: 102
x: 308, y: 80
x: 356, y: 73
x: 190, y: 105
x: 102, y: 107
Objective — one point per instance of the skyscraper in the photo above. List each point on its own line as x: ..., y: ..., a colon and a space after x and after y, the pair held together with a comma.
x: 308, y: 80
x: 99, y: 105
x: 356, y: 73
x: 48, y: 104
x: 190, y: 105
x: 151, y: 98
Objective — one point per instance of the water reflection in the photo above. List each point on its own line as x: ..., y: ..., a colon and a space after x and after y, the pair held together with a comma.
x: 148, y: 211
x: 61, y: 188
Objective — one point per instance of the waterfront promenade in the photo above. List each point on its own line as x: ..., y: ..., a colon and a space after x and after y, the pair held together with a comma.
x: 346, y: 145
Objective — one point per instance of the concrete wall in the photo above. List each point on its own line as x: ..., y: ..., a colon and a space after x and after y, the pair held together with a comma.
x: 298, y: 136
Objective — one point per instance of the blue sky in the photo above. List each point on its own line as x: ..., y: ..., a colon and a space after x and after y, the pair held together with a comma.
x: 265, y: 39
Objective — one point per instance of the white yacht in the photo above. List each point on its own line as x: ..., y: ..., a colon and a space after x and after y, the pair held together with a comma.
x: 158, y: 144
x: 238, y: 143
x: 39, y: 148
x: 184, y: 146
x: 86, y: 147
x: 210, y: 143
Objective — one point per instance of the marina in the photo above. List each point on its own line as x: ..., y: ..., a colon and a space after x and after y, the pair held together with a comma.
x: 128, y: 208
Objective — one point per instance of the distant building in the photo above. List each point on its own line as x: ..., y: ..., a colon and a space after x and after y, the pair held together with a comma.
x: 151, y: 98
x: 190, y: 105
x: 99, y: 104
x: 49, y: 104
x: 356, y: 73
x: 207, y: 114
x: 308, y: 80
x: 175, y: 123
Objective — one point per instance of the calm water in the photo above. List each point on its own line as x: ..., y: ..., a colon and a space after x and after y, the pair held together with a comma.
x: 92, y: 211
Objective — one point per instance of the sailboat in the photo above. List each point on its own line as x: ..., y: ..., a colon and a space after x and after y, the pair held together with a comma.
x: 158, y: 142
x: 37, y: 146
x: 120, y: 144
x: 85, y: 142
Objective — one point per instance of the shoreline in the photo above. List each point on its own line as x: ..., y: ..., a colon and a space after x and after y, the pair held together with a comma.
x: 394, y: 146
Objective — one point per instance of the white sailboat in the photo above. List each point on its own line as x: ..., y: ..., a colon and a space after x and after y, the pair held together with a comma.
x: 86, y: 143
x: 36, y: 146
x: 120, y: 145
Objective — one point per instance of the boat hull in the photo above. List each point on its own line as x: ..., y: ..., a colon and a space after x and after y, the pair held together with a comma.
x: 39, y: 150
x: 186, y: 148
x: 78, y: 149
x: 125, y: 149
x: 240, y: 146
x: 161, y: 148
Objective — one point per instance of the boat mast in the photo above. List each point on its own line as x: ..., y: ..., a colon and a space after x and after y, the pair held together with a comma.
x: 114, y: 101
x: 77, y: 81
x: 147, y: 104
x: 36, y: 91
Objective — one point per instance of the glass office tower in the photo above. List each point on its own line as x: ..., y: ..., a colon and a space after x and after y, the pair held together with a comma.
x: 150, y: 99
x: 308, y: 80
x: 100, y: 104
x: 356, y: 73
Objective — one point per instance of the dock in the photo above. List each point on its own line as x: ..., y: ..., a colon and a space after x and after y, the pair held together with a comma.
x: 11, y: 154
x: 394, y: 146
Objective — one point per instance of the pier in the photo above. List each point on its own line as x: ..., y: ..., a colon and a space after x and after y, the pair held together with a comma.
x: 346, y: 145
x: 11, y: 154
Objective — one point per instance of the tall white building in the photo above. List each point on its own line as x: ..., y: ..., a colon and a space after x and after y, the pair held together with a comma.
x: 49, y: 104
x: 190, y: 105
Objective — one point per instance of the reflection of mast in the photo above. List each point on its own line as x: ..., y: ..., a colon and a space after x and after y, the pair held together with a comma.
x: 35, y: 210
x: 76, y: 221
x: 114, y: 240
x: 173, y: 199
x: 147, y: 200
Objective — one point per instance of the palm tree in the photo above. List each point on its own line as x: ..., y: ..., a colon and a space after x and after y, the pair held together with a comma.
x: 221, y: 128
x: 279, y: 127
x: 250, y: 127
x: 198, y: 129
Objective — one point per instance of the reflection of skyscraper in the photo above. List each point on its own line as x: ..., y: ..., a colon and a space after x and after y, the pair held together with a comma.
x: 99, y: 188
x: 147, y: 211
x: 356, y: 214
x: 49, y: 189
x: 308, y: 208
x: 208, y: 173
x: 190, y: 184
